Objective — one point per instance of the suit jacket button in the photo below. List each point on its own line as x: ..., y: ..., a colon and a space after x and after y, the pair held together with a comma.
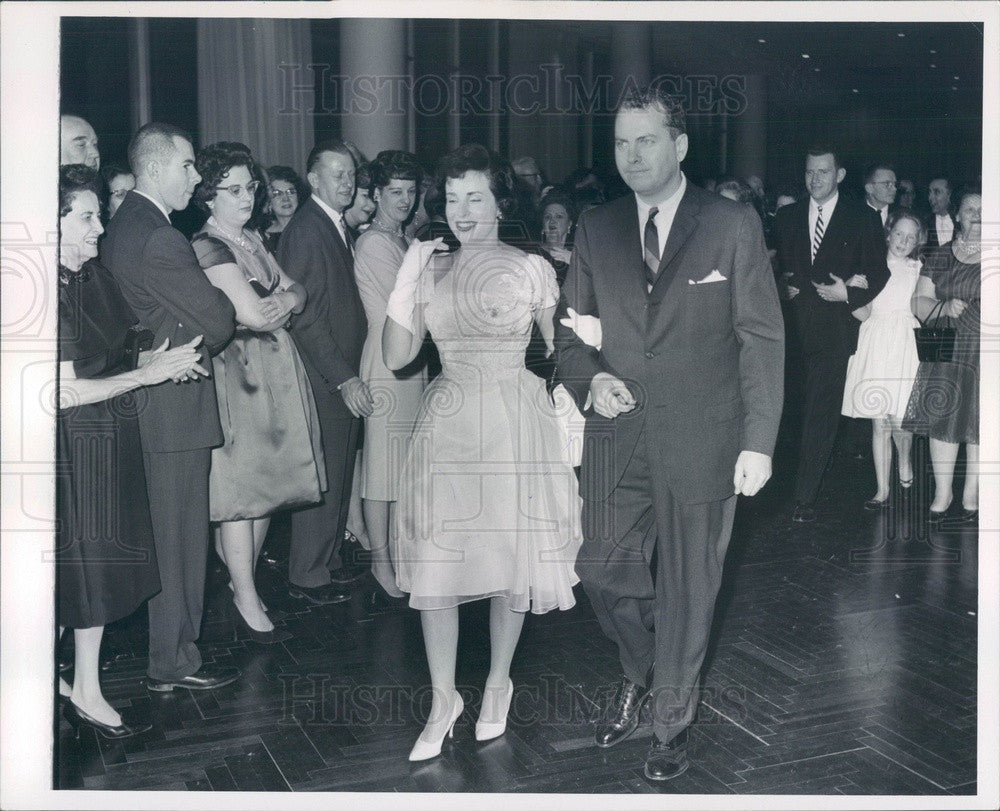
x: 649, y: 354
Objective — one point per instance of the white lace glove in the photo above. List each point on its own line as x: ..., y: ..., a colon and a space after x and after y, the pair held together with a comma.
x: 403, y: 298
x: 586, y: 327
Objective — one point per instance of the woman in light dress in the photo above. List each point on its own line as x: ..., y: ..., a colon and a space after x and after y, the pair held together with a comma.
x: 881, y: 371
x: 488, y: 506
x: 394, y: 178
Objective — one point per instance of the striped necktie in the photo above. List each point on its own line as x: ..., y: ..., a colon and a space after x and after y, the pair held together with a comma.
x: 818, y: 232
x: 651, y: 247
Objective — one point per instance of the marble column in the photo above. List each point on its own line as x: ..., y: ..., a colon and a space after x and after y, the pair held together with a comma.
x: 376, y: 99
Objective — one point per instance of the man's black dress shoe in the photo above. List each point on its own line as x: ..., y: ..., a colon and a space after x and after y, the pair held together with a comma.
x: 347, y: 574
x: 208, y: 677
x: 804, y: 514
x: 78, y: 719
x: 666, y: 761
x: 624, y: 715
x: 329, y: 594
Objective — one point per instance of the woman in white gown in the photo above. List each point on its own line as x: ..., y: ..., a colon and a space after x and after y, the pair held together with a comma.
x: 487, y: 502
x: 881, y: 371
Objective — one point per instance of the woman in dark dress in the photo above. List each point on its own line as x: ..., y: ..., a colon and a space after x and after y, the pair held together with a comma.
x: 285, y: 192
x: 105, y: 562
x: 271, y: 458
x: 944, y: 404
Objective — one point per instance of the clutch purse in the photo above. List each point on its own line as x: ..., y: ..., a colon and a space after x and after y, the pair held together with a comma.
x: 137, y: 340
x: 935, y: 344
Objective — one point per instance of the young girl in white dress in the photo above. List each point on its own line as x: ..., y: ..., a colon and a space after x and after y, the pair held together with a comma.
x: 881, y: 371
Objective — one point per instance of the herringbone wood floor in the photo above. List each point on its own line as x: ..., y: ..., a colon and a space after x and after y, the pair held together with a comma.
x: 843, y: 662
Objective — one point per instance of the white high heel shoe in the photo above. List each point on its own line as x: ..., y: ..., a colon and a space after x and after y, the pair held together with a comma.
x: 488, y: 730
x: 425, y: 750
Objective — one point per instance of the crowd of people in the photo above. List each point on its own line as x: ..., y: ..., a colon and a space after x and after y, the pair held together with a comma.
x: 499, y: 386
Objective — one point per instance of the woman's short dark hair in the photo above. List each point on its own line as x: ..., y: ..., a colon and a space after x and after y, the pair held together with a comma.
x: 287, y: 174
x: 477, y: 158
x: 214, y: 162
x: 109, y: 171
x: 561, y: 197
x: 75, y: 178
x: 363, y: 177
x: 393, y: 164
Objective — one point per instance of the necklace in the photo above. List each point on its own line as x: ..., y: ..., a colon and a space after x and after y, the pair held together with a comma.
x: 241, y: 240
x: 967, y: 249
x: 396, y: 230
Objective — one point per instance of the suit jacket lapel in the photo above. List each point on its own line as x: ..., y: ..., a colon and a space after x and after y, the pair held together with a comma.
x: 626, y: 221
x: 328, y: 225
x: 684, y: 224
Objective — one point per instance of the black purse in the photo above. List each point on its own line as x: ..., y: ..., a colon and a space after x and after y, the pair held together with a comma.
x: 137, y: 340
x: 935, y: 344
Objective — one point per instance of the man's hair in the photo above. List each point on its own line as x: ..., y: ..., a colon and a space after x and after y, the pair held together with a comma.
x: 877, y: 167
x: 947, y: 182
x: 329, y: 145
x: 657, y: 97
x: 816, y: 150
x: 154, y: 141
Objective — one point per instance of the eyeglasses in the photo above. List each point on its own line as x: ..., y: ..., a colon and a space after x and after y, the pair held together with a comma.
x: 236, y: 190
x: 276, y: 193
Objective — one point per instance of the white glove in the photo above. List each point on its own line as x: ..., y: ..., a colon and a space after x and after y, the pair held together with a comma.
x: 402, y: 300
x: 586, y: 327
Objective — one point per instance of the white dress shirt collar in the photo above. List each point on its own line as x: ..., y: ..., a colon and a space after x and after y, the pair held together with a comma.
x: 156, y: 203
x: 664, y: 217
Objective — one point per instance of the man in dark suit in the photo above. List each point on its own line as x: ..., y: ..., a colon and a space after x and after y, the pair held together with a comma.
x: 315, y: 250
x: 832, y: 251
x: 880, y: 189
x: 686, y: 390
x: 162, y: 281
x: 940, y: 223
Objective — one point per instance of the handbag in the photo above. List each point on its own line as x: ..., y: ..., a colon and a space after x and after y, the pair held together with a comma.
x: 935, y: 344
x: 137, y: 340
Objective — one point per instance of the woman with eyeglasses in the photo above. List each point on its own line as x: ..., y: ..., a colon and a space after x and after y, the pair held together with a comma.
x: 271, y: 457
x: 120, y: 181
x: 880, y: 373
x: 285, y: 190
x: 394, y: 179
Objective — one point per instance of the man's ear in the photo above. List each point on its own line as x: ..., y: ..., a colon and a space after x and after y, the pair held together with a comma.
x: 841, y: 174
x: 681, y: 146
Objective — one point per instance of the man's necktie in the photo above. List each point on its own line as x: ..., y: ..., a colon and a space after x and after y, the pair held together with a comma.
x: 818, y: 232
x: 651, y: 247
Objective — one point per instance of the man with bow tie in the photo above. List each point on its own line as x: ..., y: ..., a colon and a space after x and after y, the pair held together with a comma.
x: 686, y: 394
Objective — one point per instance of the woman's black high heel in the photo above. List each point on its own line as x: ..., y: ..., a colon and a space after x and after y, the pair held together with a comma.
x: 78, y: 719
x: 271, y: 637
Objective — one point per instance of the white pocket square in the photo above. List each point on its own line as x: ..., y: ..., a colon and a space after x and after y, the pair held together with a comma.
x: 714, y: 276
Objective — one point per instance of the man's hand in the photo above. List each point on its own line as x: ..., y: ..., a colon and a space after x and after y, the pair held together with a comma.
x: 752, y: 472
x: 357, y: 397
x: 586, y: 327
x: 858, y: 280
x: 788, y: 292
x: 835, y: 291
x: 610, y: 396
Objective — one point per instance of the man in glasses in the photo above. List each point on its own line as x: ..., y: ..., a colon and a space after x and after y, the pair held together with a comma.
x: 880, y: 189
x: 159, y: 275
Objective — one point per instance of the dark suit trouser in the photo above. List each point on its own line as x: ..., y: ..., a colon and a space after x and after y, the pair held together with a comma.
x: 826, y: 376
x: 664, y: 624
x: 178, y: 505
x: 317, y: 532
